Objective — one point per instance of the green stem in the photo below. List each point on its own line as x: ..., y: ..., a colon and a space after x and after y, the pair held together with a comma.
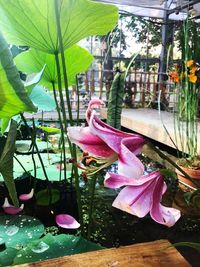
x: 78, y: 101
x: 35, y: 145
x: 91, y: 206
x: 62, y: 133
x: 73, y: 150
x: 61, y: 47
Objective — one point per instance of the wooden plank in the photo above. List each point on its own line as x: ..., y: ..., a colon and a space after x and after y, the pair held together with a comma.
x: 158, y: 253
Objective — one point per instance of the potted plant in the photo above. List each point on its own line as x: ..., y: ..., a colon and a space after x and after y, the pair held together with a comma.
x: 186, y: 78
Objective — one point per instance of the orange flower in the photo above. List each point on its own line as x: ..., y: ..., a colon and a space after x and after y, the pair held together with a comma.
x: 190, y: 63
x: 192, y: 78
x: 193, y: 70
x: 174, y: 76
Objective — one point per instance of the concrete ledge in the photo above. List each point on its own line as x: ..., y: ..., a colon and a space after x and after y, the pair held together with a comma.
x: 148, y: 123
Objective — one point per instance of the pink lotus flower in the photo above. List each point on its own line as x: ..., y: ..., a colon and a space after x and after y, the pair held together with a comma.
x: 102, y: 140
x: 142, y: 196
x: 67, y: 221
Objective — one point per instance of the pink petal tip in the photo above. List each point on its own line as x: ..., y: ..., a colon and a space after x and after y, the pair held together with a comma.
x: 25, y: 197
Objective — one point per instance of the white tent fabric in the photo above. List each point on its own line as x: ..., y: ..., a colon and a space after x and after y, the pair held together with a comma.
x: 154, y: 8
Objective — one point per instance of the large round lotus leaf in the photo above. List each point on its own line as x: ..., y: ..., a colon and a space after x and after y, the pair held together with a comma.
x: 7, y: 256
x: 48, y: 160
x: 24, y: 145
x: 16, y: 231
x: 50, y: 247
x: 53, y: 173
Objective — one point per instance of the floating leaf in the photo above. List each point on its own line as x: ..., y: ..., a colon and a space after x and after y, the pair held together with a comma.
x: 46, y: 197
x: 16, y: 231
x: 49, y: 130
x: 50, y: 247
x: 7, y: 256
x: 33, y: 23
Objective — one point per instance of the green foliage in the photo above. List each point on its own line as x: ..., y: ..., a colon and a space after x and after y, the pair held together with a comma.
x: 77, y: 60
x: 49, y: 130
x: 7, y: 256
x: 193, y: 198
x: 33, y: 23
x: 141, y: 27
x: 47, y: 196
x: 193, y: 45
x: 22, y: 237
x: 115, y: 101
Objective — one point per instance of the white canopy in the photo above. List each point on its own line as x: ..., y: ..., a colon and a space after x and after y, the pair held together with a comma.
x: 177, y: 9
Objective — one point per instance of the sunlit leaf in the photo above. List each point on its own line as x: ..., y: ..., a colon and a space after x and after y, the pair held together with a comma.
x: 33, y: 23
x: 42, y: 99
x: 13, y: 97
x: 77, y: 60
x: 50, y: 130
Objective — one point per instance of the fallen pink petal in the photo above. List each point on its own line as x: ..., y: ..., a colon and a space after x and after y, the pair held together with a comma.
x: 67, y: 221
x: 10, y: 209
x: 26, y: 197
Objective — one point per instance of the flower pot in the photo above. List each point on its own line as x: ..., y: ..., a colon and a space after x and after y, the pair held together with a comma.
x: 185, y: 183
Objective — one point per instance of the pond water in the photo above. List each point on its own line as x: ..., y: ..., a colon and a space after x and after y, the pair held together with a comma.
x: 110, y: 226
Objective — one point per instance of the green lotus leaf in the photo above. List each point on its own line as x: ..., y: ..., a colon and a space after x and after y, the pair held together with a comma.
x: 16, y: 231
x: 77, y: 60
x: 13, y: 96
x: 33, y: 23
x: 7, y: 256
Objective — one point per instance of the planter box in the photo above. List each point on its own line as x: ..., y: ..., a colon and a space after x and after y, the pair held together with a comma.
x: 152, y: 254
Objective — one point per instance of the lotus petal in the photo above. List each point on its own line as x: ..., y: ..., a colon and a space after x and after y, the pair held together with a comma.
x: 96, y: 102
x: 129, y: 165
x: 159, y: 213
x: 135, y: 200
x: 89, y: 142
x: 25, y: 197
x: 111, y: 136
x: 67, y: 221
x: 142, y: 196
